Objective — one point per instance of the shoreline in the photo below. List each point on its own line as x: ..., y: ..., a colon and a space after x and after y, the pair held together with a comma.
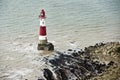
x: 98, y: 62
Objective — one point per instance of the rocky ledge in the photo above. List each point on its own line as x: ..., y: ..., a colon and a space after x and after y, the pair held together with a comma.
x: 98, y: 62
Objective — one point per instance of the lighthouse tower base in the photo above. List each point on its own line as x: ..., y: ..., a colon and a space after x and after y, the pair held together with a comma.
x: 46, y: 47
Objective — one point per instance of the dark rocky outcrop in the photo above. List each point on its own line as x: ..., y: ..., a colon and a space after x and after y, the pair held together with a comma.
x: 94, y: 62
x: 48, y: 74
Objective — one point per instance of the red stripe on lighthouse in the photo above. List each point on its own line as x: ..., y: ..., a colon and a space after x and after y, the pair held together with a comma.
x: 42, y: 31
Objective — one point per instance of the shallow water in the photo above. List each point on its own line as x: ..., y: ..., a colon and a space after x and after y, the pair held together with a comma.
x: 70, y: 24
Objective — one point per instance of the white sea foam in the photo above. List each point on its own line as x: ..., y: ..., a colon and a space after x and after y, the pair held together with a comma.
x: 19, y: 72
x: 26, y: 47
x: 9, y: 58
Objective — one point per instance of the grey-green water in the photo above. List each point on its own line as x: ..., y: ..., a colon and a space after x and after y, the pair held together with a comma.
x: 70, y: 24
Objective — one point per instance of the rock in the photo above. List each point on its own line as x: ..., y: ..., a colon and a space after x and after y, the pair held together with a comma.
x: 69, y: 49
x: 117, y: 50
x: 61, y: 74
x: 40, y: 79
x: 110, y: 63
x: 47, y: 47
x: 75, y: 54
x: 48, y: 74
x: 83, y: 64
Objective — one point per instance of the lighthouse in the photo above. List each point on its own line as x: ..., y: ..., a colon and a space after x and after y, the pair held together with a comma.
x: 43, y: 44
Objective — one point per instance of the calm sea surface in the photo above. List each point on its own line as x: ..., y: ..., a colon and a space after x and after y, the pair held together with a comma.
x: 70, y: 24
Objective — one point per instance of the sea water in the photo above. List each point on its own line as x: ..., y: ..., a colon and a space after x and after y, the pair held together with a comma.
x: 70, y: 24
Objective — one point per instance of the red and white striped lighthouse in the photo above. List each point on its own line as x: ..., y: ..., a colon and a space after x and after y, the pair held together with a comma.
x: 42, y: 32
x: 43, y: 43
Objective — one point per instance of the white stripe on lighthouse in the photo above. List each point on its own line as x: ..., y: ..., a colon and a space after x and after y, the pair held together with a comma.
x: 42, y: 37
x: 42, y: 22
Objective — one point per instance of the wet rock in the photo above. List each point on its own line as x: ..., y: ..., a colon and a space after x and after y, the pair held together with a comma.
x: 75, y: 54
x: 40, y: 79
x: 61, y: 74
x: 47, y: 46
x: 82, y: 68
x: 110, y: 63
x: 101, y: 44
x: 117, y: 49
x: 82, y: 64
x: 48, y: 74
x: 69, y: 49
